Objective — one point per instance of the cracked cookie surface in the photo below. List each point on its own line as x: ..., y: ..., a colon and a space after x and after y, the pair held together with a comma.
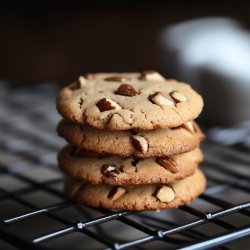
x: 138, y: 197
x: 158, y: 142
x: 114, y: 170
x: 122, y: 101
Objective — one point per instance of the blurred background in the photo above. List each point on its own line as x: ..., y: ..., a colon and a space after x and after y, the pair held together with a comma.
x: 206, y: 43
x: 58, y: 40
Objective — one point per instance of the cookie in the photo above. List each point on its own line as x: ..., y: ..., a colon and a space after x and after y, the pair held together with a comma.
x: 147, y: 143
x: 126, y: 101
x: 114, y: 170
x: 138, y: 197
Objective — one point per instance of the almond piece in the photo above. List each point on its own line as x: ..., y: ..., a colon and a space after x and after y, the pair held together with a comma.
x: 165, y: 194
x: 81, y: 82
x: 115, y: 79
x: 169, y: 163
x: 152, y: 75
x: 127, y: 90
x: 116, y: 193
x: 140, y: 143
x: 110, y: 170
x: 106, y: 104
x: 178, y: 96
x: 161, y: 99
x: 189, y: 126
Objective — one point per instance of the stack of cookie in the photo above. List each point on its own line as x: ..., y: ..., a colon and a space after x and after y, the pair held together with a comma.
x: 134, y: 144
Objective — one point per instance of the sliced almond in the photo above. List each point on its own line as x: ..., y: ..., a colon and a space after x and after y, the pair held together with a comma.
x: 115, y: 79
x: 106, y: 104
x: 110, y: 170
x: 161, y: 99
x: 116, y: 193
x: 127, y: 90
x: 178, y: 96
x: 165, y: 194
x: 169, y: 163
x: 189, y: 126
x: 152, y: 75
x: 140, y: 143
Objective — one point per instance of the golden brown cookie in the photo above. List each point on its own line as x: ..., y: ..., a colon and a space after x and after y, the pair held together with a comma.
x: 125, y: 101
x: 147, y: 143
x: 114, y: 170
x: 138, y: 197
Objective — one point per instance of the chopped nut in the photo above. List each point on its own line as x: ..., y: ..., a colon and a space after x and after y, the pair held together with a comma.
x: 196, y: 128
x: 115, y: 79
x: 164, y: 193
x: 162, y: 100
x: 189, y: 126
x: 81, y: 82
x: 127, y: 90
x: 107, y: 104
x: 116, y: 193
x: 169, y: 163
x: 178, y: 96
x: 152, y: 75
x: 139, y: 143
x: 110, y: 171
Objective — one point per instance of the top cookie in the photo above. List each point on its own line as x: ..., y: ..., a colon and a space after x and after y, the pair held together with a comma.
x: 122, y: 101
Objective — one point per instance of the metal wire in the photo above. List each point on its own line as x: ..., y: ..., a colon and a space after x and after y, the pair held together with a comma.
x: 35, y: 214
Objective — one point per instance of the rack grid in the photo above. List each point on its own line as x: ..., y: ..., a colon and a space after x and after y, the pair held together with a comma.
x: 35, y: 214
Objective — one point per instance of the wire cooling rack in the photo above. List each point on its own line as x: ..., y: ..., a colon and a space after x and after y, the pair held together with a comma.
x: 35, y: 214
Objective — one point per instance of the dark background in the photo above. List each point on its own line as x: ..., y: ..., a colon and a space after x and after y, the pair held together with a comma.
x: 59, y: 40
